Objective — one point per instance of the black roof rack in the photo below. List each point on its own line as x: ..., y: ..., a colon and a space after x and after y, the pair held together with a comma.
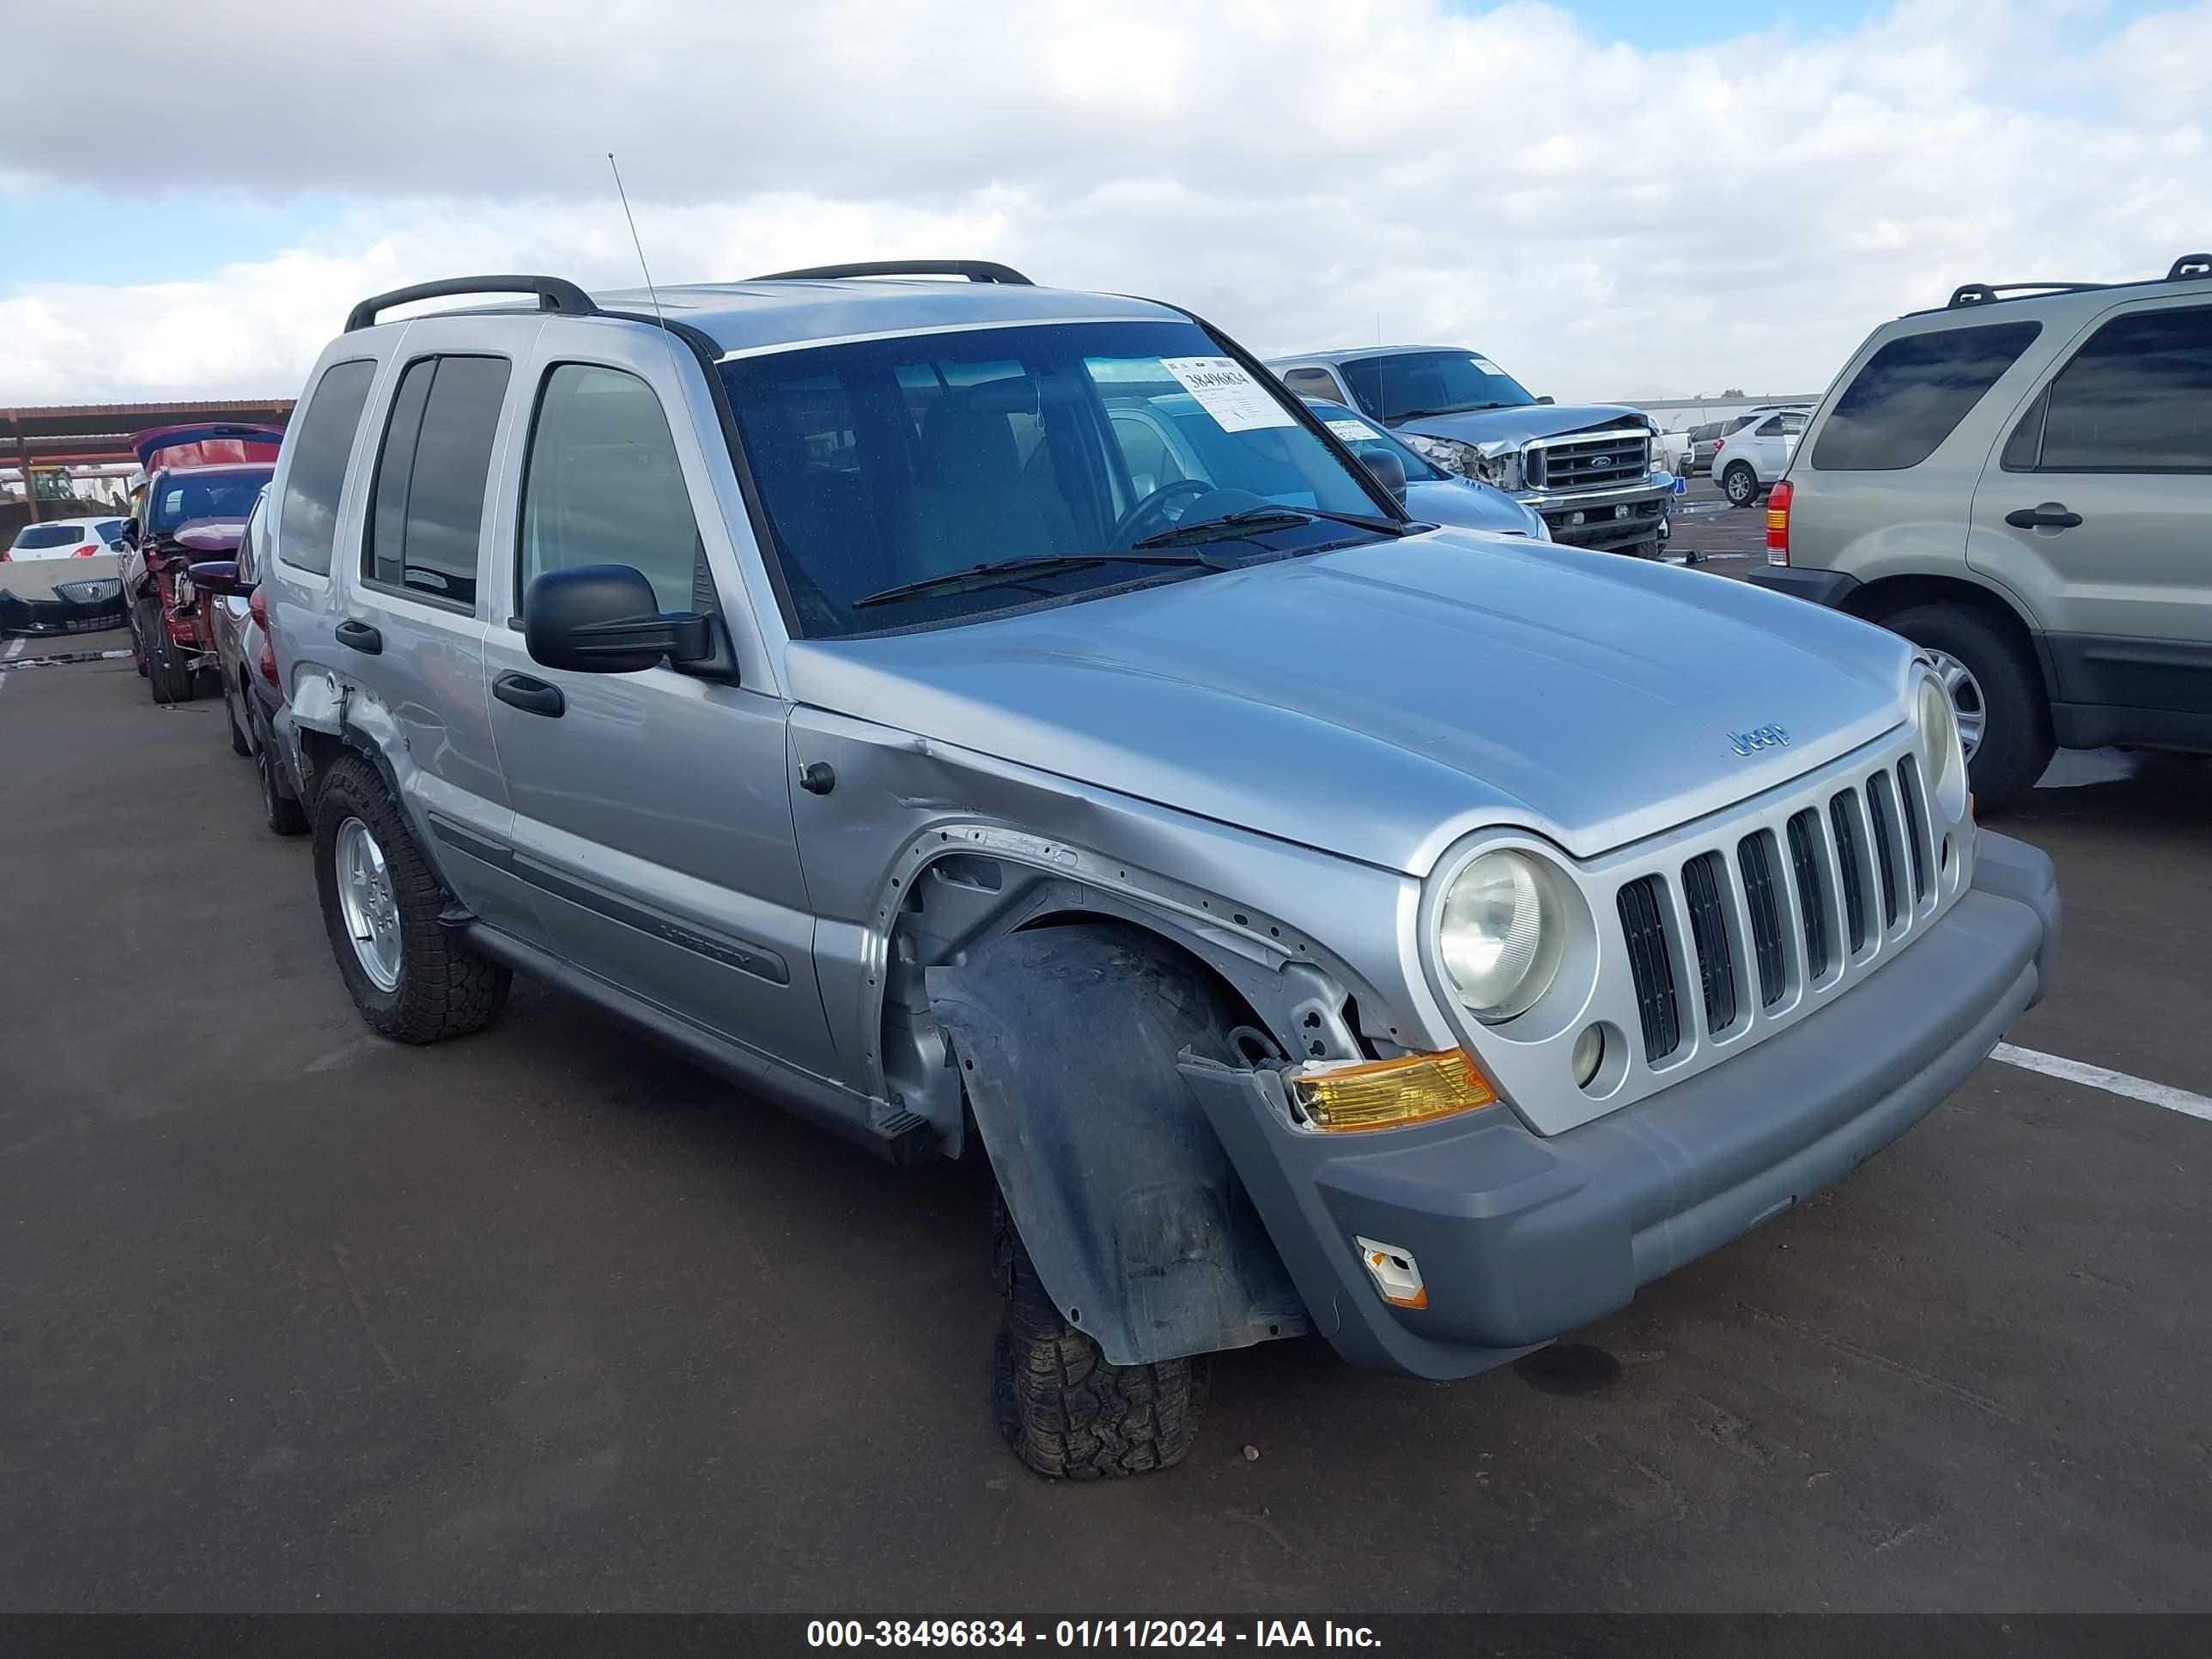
x: 1982, y: 294
x: 554, y: 293
x: 975, y: 271
x: 2190, y: 267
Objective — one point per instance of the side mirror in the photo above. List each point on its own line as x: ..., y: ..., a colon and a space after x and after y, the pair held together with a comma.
x: 1547, y: 399
x: 1389, y: 470
x: 603, y: 619
x: 218, y: 576
x: 129, y: 531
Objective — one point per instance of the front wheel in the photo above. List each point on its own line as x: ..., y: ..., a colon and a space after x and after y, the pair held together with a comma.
x: 1069, y: 1412
x: 1741, y: 484
x: 412, y: 980
x: 2004, y: 719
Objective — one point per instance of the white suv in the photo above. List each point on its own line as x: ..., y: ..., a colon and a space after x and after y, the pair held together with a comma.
x: 1747, y: 461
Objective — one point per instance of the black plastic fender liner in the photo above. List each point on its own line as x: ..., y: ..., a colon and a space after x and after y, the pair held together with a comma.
x: 1069, y: 1039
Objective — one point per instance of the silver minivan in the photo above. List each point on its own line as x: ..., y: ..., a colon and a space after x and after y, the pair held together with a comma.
x: 1323, y: 922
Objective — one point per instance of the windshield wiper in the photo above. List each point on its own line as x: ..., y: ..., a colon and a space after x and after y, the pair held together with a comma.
x: 1231, y: 526
x: 1005, y: 573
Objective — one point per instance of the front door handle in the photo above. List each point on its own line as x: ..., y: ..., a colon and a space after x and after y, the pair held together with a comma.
x: 2052, y: 516
x: 533, y: 696
x: 361, y: 636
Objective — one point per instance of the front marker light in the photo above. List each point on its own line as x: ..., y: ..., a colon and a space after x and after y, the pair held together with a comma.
x: 1342, y: 1096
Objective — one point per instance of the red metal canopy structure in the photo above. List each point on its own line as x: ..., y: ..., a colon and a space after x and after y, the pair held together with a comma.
x: 78, y: 434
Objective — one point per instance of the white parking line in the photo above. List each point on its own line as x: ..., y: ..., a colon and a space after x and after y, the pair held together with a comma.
x: 2116, y: 1083
x: 14, y: 650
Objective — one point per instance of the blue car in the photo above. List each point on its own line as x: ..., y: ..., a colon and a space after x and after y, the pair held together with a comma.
x: 1432, y: 493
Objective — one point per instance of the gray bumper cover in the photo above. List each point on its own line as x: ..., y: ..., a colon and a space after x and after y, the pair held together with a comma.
x: 1522, y: 1237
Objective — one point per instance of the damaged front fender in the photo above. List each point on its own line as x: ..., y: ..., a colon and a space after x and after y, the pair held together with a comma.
x: 1069, y: 1039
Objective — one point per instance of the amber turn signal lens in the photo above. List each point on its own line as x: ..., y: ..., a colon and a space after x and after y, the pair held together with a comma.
x: 1340, y: 1096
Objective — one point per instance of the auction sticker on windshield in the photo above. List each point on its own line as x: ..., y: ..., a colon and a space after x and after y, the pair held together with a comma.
x: 1237, y: 402
x: 1352, y: 432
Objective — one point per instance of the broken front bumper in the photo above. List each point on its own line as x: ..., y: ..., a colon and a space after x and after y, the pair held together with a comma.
x: 1604, y: 518
x: 1520, y: 1237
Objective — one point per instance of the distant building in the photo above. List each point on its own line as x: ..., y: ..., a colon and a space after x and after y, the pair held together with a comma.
x: 1674, y: 414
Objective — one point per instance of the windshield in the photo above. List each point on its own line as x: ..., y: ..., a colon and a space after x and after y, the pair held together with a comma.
x: 180, y: 497
x: 1362, y: 438
x: 885, y: 463
x: 1407, y: 384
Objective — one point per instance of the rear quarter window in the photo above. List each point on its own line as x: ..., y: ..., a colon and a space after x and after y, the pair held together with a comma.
x: 1912, y: 393
x: 322, y: 442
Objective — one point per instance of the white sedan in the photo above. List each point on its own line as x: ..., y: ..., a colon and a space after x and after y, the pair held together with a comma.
x: 64, y: 538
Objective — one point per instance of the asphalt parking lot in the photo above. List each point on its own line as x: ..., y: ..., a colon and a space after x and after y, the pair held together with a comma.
x: 292, y: 1318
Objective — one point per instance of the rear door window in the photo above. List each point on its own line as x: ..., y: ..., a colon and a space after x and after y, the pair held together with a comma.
x: 1913, y: 393
x: 426, y: 516
x: 321, y: 442
x: 2136, y: 398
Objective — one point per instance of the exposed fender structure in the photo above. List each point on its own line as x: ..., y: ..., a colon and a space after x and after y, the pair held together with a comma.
x: 1069, y: 1039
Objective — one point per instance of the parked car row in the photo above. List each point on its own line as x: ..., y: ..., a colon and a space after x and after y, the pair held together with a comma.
x: 201, y: 481
x: 1592, y: 472
x: 998, y: 722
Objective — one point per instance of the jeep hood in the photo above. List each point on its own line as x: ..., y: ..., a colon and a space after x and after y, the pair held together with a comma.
x: 1483, y: 426
x: 1379, y: 702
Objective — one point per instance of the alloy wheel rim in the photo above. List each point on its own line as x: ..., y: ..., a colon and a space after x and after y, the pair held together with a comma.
x: 366, y: 902
x: 1967, y: 704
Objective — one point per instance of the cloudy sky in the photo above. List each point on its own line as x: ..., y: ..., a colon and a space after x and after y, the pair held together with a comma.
x: 1613, y: 198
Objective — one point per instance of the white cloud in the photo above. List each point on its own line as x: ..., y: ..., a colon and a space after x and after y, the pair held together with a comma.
x: 1604, y: 220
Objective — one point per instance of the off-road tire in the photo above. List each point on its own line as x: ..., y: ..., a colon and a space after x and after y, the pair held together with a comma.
x: 2016, y: 736
x: 444, y: 989
x: 240, y: 743
x: 1741, y: 485
x: 1067, y: 1411
x: 283, y: 814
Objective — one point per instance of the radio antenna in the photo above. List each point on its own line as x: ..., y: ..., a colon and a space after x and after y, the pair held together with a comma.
x: 651, y: 293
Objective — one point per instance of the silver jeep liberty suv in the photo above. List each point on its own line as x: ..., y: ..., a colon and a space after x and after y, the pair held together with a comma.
x: 962, y: 712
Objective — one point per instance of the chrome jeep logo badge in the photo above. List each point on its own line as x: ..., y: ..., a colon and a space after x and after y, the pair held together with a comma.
x: 1759, y: 737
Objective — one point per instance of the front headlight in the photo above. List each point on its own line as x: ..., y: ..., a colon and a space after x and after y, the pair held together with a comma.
x: 1498, y: 933
x: 1449, y: 453
x: 1946, y: 753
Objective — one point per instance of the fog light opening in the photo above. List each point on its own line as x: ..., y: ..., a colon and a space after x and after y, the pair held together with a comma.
x: 1600, y: 1060
x: 1589, y: 1054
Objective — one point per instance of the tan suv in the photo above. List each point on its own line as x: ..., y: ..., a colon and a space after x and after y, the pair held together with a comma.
x: 2021, y: 484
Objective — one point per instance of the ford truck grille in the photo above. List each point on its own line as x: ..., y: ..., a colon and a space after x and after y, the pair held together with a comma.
x: 1587, y: 460
x: 1739, y: 908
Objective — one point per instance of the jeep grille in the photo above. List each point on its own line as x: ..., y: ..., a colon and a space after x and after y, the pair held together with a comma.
x: 1739, y: 908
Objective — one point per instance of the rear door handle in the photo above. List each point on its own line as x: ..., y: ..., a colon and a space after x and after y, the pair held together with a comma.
x: 361, y: 636
x: 533, y: 696
x: 2052, y: 516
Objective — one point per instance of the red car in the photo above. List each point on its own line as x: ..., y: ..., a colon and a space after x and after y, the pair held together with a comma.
x: 236, y: 616
x: 201, y: 481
